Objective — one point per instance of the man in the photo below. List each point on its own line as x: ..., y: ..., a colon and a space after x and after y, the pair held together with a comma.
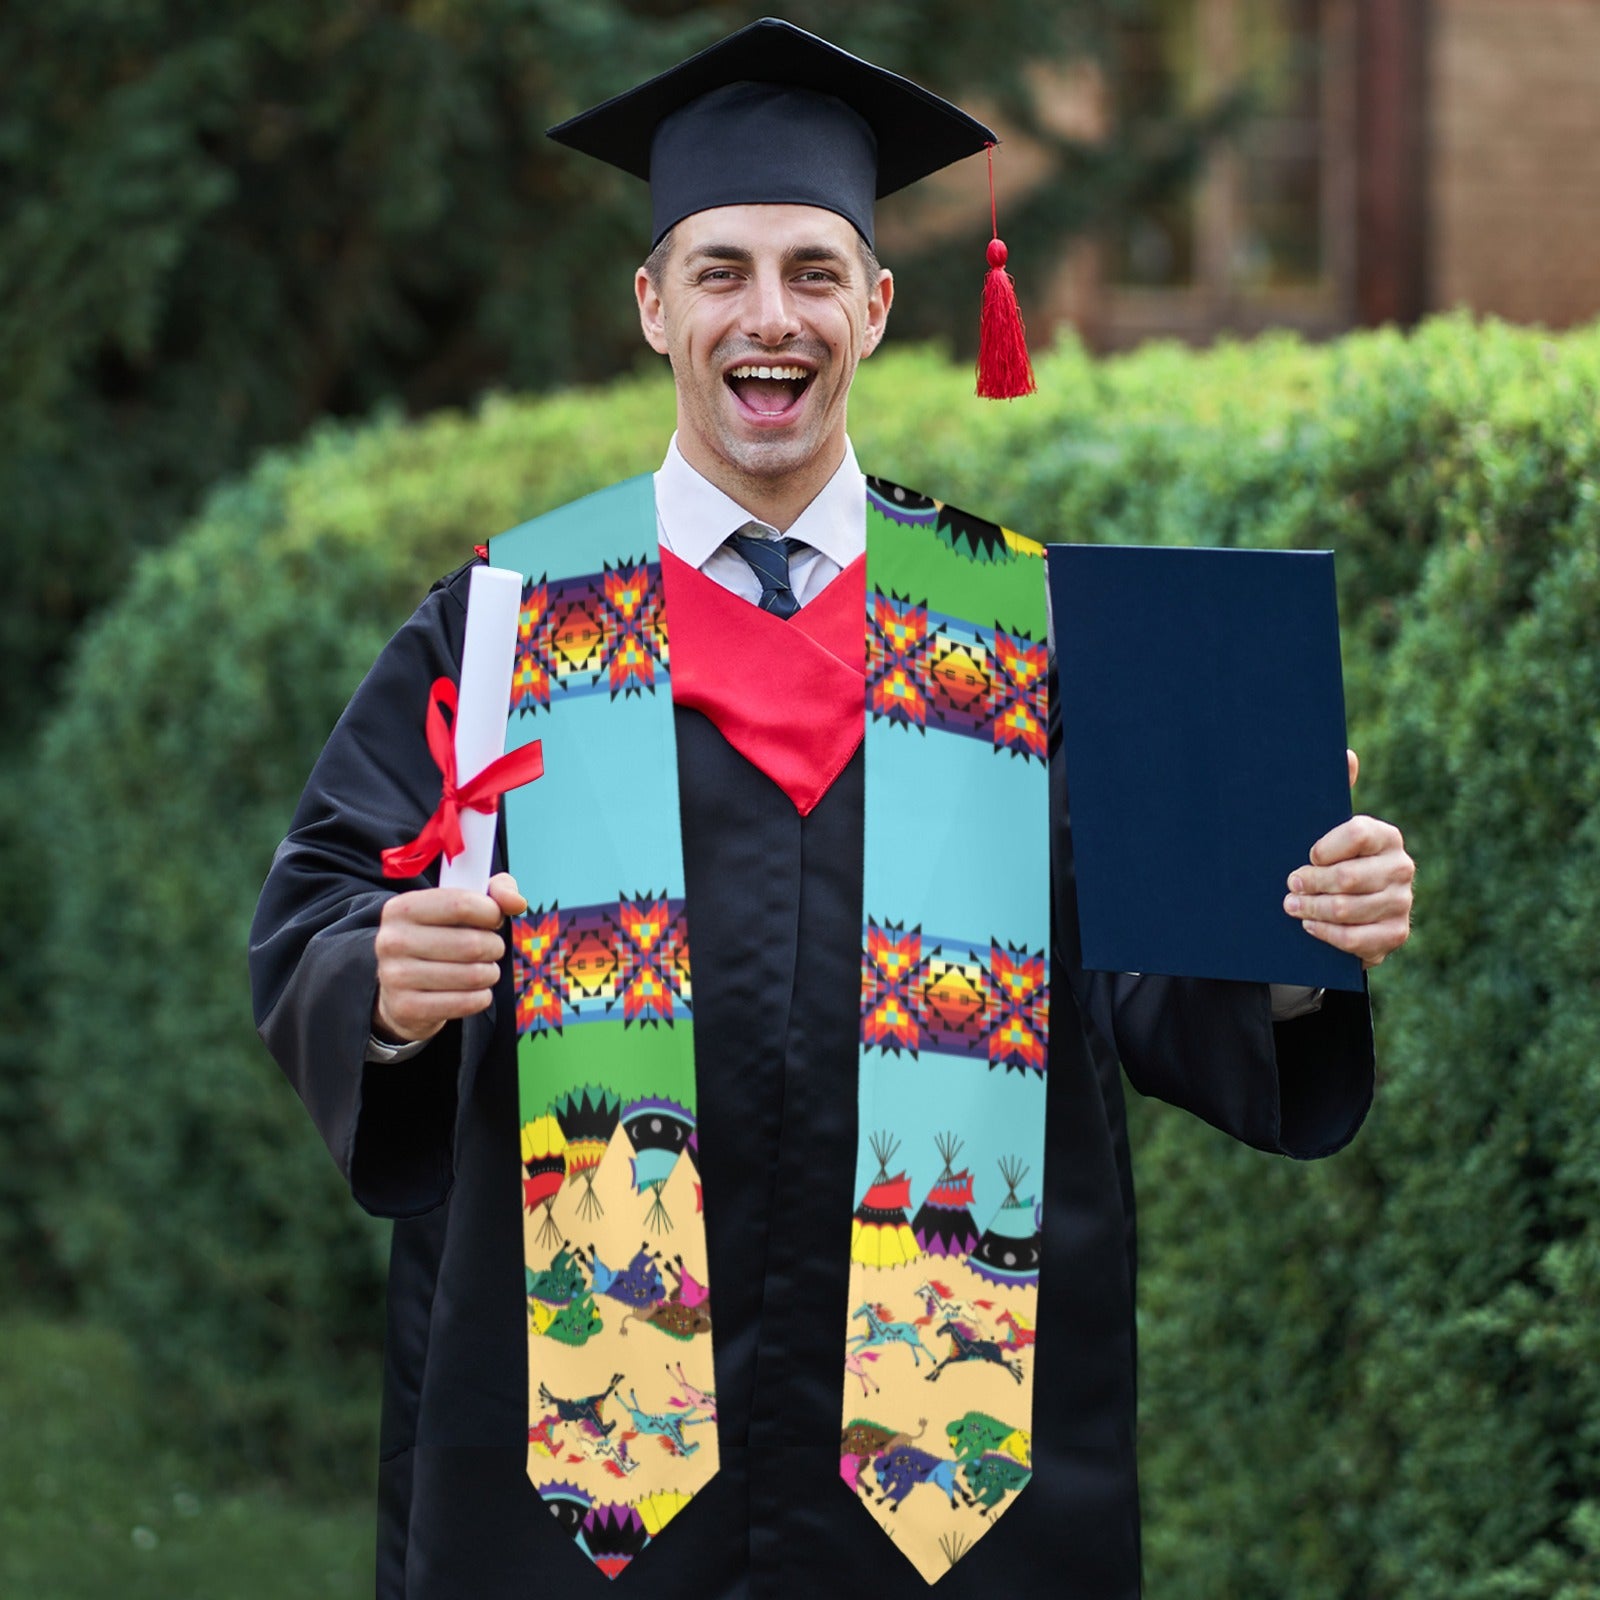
x: 396, y: 1015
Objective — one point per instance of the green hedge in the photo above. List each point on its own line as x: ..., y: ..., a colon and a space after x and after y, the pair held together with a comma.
x: 1378, y: 1377
x: 1375, y: 1377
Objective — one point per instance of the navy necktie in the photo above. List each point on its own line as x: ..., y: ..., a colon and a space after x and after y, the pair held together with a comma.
x: 769, y: 560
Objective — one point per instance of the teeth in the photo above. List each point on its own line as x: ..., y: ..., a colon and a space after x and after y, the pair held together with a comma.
x: 798, y: 374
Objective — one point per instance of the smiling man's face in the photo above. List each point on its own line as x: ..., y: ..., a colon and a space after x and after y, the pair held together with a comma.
x: 764, y: 311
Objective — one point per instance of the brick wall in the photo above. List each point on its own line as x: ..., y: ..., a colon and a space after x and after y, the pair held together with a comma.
x: 1514, y: 160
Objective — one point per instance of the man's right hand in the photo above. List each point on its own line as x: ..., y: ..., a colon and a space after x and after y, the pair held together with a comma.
x: 439, y: 953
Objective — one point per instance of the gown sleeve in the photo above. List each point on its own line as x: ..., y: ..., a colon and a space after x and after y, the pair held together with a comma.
x: 390, y: 1127
x: 1300, y: 1088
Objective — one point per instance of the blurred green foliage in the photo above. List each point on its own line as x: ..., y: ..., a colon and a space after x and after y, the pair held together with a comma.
x: 1374, y: 1377
x: 93, y: 1502
x: 1378, y: 1377
x: 218, y: 224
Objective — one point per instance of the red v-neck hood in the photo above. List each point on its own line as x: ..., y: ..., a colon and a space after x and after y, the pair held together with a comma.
x: 789, y: 696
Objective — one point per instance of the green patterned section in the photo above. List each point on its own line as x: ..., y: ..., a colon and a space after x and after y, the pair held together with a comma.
x: 914, y: 561
x: 636, y: 1062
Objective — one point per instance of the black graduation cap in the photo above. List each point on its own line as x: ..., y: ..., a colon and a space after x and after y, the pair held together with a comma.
x: 774, y: 115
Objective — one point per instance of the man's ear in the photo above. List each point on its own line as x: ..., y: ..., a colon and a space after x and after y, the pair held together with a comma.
x: 878, y: 303
x: 652, y: 315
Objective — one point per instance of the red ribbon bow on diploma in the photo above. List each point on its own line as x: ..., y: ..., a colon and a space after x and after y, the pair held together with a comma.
x: 442, y: 831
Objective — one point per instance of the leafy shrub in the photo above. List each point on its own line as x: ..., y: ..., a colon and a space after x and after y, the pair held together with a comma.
x: 1376, y: 1377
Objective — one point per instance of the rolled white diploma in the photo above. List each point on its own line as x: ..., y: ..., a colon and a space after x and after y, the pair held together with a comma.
x: 488, y: 658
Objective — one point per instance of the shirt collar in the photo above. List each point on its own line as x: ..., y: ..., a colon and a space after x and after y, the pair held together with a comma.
x: 696, y: 517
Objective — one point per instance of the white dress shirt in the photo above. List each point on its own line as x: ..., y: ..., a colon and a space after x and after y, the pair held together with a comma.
x: 694, y: 518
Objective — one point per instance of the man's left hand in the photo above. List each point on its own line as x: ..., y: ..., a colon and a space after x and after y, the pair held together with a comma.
x: 1355, y: 893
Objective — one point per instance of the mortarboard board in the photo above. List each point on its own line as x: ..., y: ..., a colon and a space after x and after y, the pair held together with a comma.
x: 774, y: 115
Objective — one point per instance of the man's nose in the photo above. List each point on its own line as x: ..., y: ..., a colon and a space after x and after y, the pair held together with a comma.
x: 772, y: 319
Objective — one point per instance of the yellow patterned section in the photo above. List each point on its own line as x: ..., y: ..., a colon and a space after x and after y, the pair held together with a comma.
x: 1023, y: 546
x: 886, y: 1246
x: 1019, y: 1446
x: 935, y: 1446
x: 657, y: 1510
x: 622, y: 1397
x: 541, y: 1138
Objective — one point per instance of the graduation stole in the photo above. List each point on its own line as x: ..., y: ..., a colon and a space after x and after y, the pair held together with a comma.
x: 937, y: 1351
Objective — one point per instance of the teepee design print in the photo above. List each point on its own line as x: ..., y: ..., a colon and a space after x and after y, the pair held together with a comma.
x: 881, y: 1236
x: 943, y: 1225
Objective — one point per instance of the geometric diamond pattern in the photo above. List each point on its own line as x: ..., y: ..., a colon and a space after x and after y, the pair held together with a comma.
x: 986, y: 1002
x: 583, y: 963
x: 604, y: 631
x: 927, y: 671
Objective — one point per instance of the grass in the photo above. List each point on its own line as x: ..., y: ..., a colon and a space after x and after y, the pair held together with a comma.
x: 92, y: 1504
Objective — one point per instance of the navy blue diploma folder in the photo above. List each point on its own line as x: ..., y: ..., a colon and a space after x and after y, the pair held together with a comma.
x: 1202, y: 714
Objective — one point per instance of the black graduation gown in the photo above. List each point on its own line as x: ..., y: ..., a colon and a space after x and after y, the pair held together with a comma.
x: 775, y: 907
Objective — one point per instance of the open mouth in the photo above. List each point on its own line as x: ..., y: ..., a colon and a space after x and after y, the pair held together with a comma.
x: 769, y: 391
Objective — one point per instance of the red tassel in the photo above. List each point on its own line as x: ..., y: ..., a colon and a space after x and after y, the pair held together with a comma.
x: 1004, y: 370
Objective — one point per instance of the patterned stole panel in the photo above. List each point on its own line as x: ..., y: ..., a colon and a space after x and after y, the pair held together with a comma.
x: 945, y: 1242
x: 621, y: 1407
